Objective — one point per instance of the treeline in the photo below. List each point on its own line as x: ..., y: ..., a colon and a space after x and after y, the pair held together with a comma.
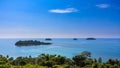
x: 83, y: 60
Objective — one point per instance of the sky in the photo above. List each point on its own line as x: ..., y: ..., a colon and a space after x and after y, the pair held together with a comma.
x: 59, y: 18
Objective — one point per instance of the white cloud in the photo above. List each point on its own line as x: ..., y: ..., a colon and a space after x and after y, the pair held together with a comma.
x: 67, y: 10
x: 102, y: 5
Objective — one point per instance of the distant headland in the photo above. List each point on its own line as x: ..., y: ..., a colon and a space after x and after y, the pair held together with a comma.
x: 31, y: 43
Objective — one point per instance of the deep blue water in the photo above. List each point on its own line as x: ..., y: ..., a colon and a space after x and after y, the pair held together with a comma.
x: 102, y: 47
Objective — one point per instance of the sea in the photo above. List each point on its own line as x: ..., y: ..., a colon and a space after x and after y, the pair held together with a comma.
x: 101, y: 47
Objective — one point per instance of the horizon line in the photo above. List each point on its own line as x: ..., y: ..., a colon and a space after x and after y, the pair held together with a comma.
x: 53, y: 37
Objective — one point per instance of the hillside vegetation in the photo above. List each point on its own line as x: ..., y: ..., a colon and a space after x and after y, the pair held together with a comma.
x: 83, y: 60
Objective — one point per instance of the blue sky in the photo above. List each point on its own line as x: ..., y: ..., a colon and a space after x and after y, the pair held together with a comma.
x: 59, y: 18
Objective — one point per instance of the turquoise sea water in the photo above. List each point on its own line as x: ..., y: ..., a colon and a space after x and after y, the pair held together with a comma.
x: 102, y: 47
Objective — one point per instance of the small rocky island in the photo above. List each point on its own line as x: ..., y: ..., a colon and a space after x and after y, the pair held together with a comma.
x: 31, y: 43
x: 91, y: 39
x: 48, y: 39
x: 75, y: 39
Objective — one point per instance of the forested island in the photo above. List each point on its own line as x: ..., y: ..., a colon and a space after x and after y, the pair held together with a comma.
x: 82, y: 60
x: 31, y: 43
x: 49, y: 39
x: 91, y: 39
x: 75, y: 39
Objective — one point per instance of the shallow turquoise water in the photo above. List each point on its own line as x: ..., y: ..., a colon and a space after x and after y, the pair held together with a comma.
x: 105, y: 48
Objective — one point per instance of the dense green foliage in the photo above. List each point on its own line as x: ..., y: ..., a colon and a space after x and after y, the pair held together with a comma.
x: 30, y: 43
x: 83, y: 60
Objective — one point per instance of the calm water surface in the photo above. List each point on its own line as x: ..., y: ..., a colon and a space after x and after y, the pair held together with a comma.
x: 105, y: 48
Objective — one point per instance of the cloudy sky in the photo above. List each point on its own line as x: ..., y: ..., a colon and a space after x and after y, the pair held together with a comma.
x: 59, y: 18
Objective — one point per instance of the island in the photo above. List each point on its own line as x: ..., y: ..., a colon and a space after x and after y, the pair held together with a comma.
x: 48, y: 39
x: 91, y: 39
x: 74, y: 38
x: 31, y: 43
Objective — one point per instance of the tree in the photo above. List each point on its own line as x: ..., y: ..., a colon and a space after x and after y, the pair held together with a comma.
x: 95, y: 65
x: 107, y: 66
x: 89, y: 61
x: 86, y: 54
x: 79, y: 60
x: 48, y: 63
x: 101, y: 66
x: 116, y: 66
x: 110, y: 61
x: 95, y: 60
x: 60, y: 60
x: 22, y: 63
x: 1, y: 56
x: 7, y: 56
x: 100, y: 60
